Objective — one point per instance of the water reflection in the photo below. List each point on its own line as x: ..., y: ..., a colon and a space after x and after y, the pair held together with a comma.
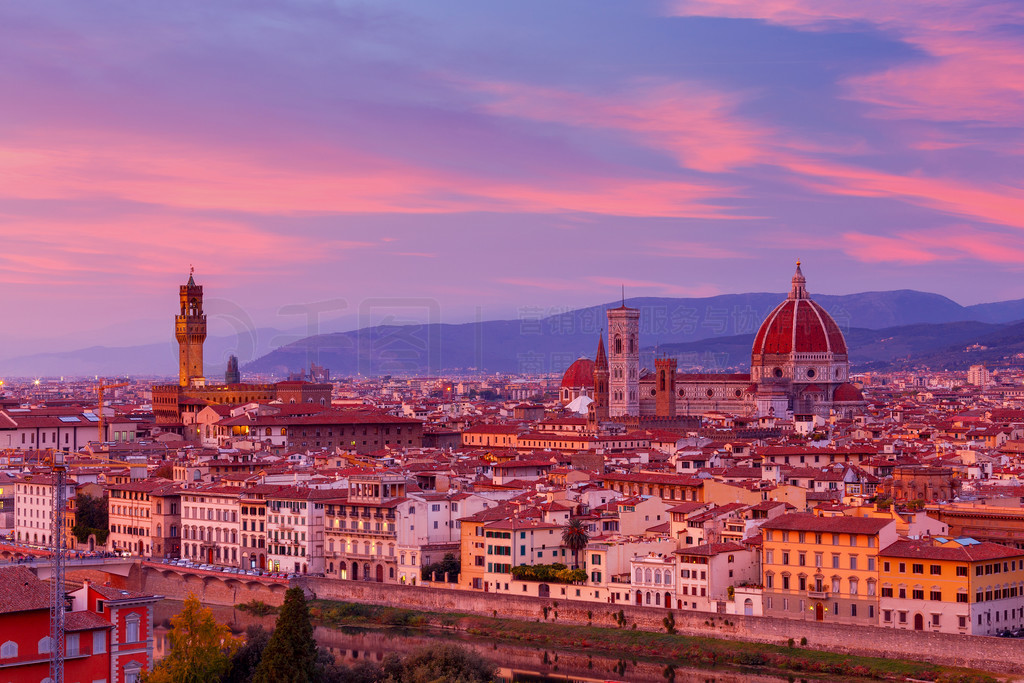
x: 522, y: 664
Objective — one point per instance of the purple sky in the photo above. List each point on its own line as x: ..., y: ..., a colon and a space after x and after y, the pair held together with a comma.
x: 497, y: 155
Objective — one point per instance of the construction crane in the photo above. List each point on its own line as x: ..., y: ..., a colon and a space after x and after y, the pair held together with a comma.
x: 57, y: 460
x: 99, y: 411
x: 58, y: 555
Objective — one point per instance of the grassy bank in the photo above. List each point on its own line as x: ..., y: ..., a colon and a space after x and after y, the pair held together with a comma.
x: 629, y: 643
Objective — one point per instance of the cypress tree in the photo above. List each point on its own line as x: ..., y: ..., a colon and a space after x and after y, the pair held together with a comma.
x: 290, y: 656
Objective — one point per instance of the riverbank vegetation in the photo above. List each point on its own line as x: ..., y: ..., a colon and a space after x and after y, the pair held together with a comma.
x: 628, y: 643
x: 204, y: 651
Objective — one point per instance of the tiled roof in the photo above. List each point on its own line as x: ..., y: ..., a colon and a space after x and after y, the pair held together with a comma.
x: 22, y: 591
x: 806, y: 521
x: 926, y: 550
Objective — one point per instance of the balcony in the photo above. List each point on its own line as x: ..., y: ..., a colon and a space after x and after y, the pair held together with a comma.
x: 817, y: 594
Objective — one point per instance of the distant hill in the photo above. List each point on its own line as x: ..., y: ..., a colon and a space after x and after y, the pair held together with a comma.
x: 934, y: 345
x: 549, y: 339
x: 713, y: 332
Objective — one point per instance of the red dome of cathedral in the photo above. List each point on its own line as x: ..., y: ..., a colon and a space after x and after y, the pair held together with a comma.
x: 579, y: 374
x: 799, y: 325
x: 847, y: 393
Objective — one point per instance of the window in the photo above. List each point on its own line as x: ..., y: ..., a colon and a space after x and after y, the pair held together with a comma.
x: 132, y: 629
x: 99, y: 642
x: 917, y: 594
x: 71, y: 645
x: 961, y: 570
x: 45, y: 645
x: 935, y: 595
x: 961, y: 596
x: 935, y: 570
x: 9, y: 649
x: 886, y: 591
x: 917, y: 569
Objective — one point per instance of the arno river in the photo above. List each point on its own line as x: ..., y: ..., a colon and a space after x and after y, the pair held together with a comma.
x: 516, y: 663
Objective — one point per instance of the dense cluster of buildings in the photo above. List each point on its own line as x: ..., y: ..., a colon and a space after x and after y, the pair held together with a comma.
x: 796, y: 490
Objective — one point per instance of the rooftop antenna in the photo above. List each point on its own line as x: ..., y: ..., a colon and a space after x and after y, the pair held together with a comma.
x: 623, y: 295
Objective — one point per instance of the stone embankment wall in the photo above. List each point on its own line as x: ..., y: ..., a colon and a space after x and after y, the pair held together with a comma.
x: 208, y: 587
x: 1002, y: 655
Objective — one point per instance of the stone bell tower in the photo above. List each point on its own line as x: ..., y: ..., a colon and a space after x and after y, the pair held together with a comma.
x: 190, y: 331
x: 624, y: 361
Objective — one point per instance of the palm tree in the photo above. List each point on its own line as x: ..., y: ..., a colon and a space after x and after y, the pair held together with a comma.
x: 575, y: 537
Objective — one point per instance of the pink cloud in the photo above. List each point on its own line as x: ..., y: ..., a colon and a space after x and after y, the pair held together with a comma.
x: 975, y: 68
x: 926, y: 246
x: 1000, y: 204
x: 696, y: 124
x: 204, y: 178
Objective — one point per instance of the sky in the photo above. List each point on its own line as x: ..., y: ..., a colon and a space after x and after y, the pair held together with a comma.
x: 475, y: 158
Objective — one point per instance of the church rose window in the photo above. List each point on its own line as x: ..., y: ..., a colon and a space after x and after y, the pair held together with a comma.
x: 810, y: 372
x: 777, y: 372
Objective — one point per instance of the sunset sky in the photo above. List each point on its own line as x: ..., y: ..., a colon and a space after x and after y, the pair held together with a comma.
x: 499, y: 154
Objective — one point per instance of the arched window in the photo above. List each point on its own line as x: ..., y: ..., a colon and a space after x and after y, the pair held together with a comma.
x: 647, y: 576
x: 639, y: 575
x: 9, y: 649
x: 618, y: 344
x: 657, y: 577
x: 45, y: 645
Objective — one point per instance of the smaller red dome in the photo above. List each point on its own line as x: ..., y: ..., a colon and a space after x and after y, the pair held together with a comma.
x: 579, y: 374
x: 847, y: 393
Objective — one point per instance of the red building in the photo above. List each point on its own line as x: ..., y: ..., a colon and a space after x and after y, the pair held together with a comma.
x: 108, y: 633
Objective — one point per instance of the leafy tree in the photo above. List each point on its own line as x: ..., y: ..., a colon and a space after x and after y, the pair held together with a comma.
x: 575, y: 537
x: 548, y: 573
x: 448, y: 564
x: 291, y: 654
x: 449, y: 663
x: 201, y: 648
x: 247, y: 657
x: 90, y: 518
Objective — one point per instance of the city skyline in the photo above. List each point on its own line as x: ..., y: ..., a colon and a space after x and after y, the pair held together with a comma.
x: 497, y: 157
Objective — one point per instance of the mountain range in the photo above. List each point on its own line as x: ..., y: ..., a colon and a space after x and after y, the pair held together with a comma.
x: 883, y: 329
